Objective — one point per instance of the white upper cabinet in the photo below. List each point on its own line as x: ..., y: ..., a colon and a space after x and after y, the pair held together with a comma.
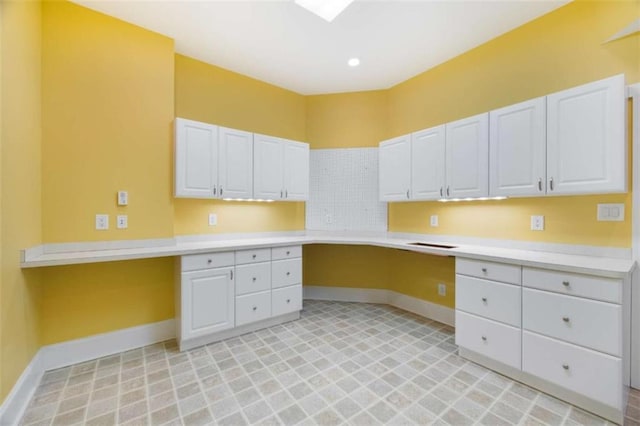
x: 296, y: 171
x: 427, y: 164
x: 394, y: 172
x: 281, y: 169
x: 586, y: 140
x: 517, y: 149
x: 268, y: 167
x: 235, y: 164
x: 467, y: 157
x: 196, y: 151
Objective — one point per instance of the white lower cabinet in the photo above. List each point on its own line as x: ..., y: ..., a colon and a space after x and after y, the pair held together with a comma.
x: 208, y: 301
x: 221, y: 295
x: 590, y: 373
x: 489, y: 338
x: 253, y: 307
x: 562, y: 332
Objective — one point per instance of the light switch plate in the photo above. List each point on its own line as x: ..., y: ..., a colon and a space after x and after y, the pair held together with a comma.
x: 537, y: 223
x: 213, y: 219
x: 442, y: 289
x: 123, y: 198
x: 434, y: 220
x: 611, y: 212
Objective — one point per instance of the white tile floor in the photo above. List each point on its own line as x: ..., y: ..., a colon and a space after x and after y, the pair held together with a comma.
x: 341, y: 363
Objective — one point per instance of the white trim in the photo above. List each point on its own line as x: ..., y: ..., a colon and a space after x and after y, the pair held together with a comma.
x: 632, y: 28
x: 75, y: 351
x: 100, y: 345
x: 421, y: 307
x: 106, y: 245
x: 633, y: 91
x: 345, y: 294
x: 15, y: 404
x: 198, y: 238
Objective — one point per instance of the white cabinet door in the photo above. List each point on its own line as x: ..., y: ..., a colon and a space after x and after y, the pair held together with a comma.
x: 586, y: 146
x: 517, y: 149
x: 196, y: 151
x: 268, y: 170
x: 236, y: 163
x: 296, y: 171
x: 427, y: 164
x: 467, y: 157
x: 208, y: 302
x: 395, y: 168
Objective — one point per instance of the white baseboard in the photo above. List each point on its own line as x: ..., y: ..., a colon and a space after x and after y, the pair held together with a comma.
x: 369, y: 295
x: 75, y: 351
x: 344, y: 294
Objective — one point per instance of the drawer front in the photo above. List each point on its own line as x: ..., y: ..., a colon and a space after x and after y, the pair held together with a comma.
x: 492, y: 339
x: 605, y: 289
x: 489, y: 270
x: 286, y: 272
x: 253, y: 307
x: 195, y: 262
x: 289, y: 252
x: 489, y: 299
x: 593, y: 374
x: 590, y: 323
x: 253, y: 277
x: 253, y: 256
x: 286, y: 299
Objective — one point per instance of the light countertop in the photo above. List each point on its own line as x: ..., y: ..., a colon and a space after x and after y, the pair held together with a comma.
x: 69, y: 254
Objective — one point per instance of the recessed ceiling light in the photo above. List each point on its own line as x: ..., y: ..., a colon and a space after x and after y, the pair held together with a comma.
x: 326, y: 9
x: 353, y: 62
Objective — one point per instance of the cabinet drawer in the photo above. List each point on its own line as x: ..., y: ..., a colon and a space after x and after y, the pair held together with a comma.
x: 492, y: 339
x: 194, y: 262
x: 593, y: 374
x: 286, y: 272
x: 489, y: 270
x: 597, y: 325
x: 253, y: 277
x: 489, y: 299
x: 253, y: 256
x: 286, y: 299
x: 605, y: 289
x: 253, y: 307
x: 289, y: 252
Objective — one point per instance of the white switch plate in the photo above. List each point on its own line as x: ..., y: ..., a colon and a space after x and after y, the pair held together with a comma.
x: 537, y: 223
x: 611, y: 212
x: 102, y: 222
x: 123, y: 198
x: 434, y: 220
x: 122, y: 222
x: 442, y: 289
x: 213, y: 219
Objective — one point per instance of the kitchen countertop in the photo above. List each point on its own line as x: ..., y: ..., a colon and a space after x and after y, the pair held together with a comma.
x: 70, y: 254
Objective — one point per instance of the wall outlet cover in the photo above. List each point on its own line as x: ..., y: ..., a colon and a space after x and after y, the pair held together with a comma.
x: 213, y: 219
x: 442, y: 289
x: 611, y: 212
x: 434, y: 221
x: 122, y: 221
x: 123, y: 198
x: 102, y: 222
x: 537, y: 223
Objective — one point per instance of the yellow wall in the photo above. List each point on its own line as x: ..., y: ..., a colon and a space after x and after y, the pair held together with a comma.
x: 207, y: 93
x: 107, y: 105
x: 559, y: 50
x: 352, y: 120
x: 20, y: 213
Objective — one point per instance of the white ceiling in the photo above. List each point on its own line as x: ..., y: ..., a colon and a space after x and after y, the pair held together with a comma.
x: 283, y: 44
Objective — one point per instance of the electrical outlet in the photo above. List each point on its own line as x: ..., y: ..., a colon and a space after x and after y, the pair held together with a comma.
x: 537, y: 223
x: 122, y: 222
x: 102, y: 222
x: 434, y: 220
x: 123, y: 198
x: 611, y: 212
x: 213, y: 219
x: 442, y: 289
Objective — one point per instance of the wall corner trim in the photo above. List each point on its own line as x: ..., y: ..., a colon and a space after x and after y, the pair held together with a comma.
x: 71, y: 352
